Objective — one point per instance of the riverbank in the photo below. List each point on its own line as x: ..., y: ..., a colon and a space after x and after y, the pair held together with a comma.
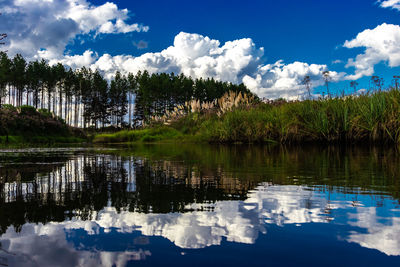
x: 368, y: 118
x: 25, y: 125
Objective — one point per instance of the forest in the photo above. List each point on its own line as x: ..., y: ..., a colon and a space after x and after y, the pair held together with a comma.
x: 36, y: 97
x: 84, y: 98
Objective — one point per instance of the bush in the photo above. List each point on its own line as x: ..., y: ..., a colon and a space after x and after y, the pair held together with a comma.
x: 8, y: 107
x: 27, y: 110
x: 35, y: 126
x: 45, y: 112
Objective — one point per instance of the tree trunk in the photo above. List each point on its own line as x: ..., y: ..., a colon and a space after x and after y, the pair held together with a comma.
x: 60, y: 103
x: 48, y: 100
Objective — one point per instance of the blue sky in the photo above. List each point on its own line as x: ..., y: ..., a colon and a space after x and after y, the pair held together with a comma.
x: 308, y: 31
x: 305, y: 30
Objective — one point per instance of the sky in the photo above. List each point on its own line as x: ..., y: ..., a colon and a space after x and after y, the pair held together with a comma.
x: 270, y: 46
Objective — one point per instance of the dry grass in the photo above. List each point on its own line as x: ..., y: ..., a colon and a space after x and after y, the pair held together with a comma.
x: 226, y: 103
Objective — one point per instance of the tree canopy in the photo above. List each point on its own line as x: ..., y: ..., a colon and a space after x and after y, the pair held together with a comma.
x: 84, y: 98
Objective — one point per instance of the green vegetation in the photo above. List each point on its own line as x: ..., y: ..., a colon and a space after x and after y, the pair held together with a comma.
x: 57, y: 97
x: 25, y: 124
x: 165, y: 107
x: 155, y: 134
x: 371, y: 117
x: 84, y: 98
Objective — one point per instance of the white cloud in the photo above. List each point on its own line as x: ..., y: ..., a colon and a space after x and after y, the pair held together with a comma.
x: 395, y: 4
x: 208, y: 225
x: 382, y: 233
x: 382, y: 44
x: 99, y: 18
x: 337, y: 61
x: 42, y: 245
x: 199, y: 56
x: 280, y: 80
x: 76, y: 61
x: 36, y: 26
x: 42, y: 29
x: 237, y: 221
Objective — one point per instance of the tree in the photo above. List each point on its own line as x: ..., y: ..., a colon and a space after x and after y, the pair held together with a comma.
x: 69, y: 89
x: 85, y: 84
x: 132, y: 88
x: 99, y: 100
x: 59, y: 76
x: 85, y: 99
x: 2, y: 37
x: 5, y: 73
x: 41, y: 70
x: 33, y: 82
x: 118, y: 98
x: 18, y: 77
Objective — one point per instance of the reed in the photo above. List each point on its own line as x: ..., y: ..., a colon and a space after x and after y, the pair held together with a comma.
x: 372, y: 118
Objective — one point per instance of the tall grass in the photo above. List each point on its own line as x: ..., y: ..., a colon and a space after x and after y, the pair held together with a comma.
x: 365, y: 118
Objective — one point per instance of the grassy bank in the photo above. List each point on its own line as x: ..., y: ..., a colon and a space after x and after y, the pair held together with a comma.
x: 154, y: 134
x: 40, y: 140
x: 26, y: 125
x: 371, y: 118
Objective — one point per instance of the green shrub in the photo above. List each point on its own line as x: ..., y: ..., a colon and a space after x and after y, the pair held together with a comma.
x: 45, y: 112
x: 27, y: 110
x: 34, y: 127
x: 8, y: 107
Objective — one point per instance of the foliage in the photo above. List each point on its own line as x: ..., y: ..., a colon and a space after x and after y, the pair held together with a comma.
x: 160, y: 94
x: 371, y: 117
x: 145, y: 135
x: 84, y: 98
x: 34, y: 126
x: 227, y: 102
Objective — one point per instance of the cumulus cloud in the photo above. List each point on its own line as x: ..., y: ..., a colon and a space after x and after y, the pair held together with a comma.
x: 284, y: 80
x: 395, y: 4
x: 238, y: 61
x: 77, y: 61
x: 42, y: 245
x: 382, y: 44
x: 209, y: 224
x: 43, y: 28
x: 48, y: 26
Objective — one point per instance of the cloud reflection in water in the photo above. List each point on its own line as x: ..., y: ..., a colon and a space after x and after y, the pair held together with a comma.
x: 209, y: 224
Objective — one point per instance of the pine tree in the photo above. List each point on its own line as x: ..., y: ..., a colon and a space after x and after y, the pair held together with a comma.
x: 5, y: 75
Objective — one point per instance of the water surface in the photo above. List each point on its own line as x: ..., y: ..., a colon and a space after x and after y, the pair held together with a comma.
x: 200, y: 205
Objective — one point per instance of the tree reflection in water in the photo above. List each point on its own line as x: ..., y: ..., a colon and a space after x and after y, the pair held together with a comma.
x: 196, y: 196
x: 84, y: 184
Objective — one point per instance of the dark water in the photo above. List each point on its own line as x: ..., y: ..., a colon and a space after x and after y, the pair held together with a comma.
x: 200, y: 206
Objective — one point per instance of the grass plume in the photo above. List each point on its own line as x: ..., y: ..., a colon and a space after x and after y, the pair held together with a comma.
x: 373, y: 117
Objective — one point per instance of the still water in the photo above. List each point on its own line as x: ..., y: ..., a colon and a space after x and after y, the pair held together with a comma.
x: 200, y: 205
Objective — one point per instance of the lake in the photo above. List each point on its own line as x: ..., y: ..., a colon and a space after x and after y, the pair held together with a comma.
x: 200, y: 205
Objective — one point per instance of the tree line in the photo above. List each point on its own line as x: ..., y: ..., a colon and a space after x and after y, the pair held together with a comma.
x: 84, y: 98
